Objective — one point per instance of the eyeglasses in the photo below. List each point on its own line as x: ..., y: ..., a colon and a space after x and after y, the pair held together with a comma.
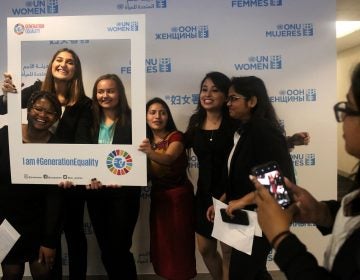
x: 342, y: 110
x: 232, y: 98
x: 39, y: 110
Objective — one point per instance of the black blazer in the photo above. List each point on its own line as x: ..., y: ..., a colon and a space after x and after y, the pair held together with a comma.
x: 259, y: 143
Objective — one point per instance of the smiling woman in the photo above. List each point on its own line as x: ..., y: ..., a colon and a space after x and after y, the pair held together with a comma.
x: 258, y: 139
x: 112, y: 125
x: 172, y: 239
x: 63, y: 80
x: 209, y: 136
x: 43, y: 111
x: 36, y: 211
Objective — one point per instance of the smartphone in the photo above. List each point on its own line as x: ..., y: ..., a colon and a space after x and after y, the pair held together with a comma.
x: 240, y: 217
x: 270, y: 176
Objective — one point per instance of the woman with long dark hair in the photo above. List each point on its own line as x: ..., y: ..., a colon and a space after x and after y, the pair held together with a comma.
x: 342, y: 219
x: 172, y: 238
x: 113, y: 210
x: 64, y: 79
x: 209, y: 135
x: 258, y: 139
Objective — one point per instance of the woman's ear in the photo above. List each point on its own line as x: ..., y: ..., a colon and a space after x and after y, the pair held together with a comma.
x: 252, y: 101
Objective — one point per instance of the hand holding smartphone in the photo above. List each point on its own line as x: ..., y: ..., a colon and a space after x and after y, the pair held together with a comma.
x: 269, y: 175
x: 240, y: 217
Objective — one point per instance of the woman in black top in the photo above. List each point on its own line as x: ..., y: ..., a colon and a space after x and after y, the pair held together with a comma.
x: 209, y: 134
x: 64, y: 79
x: 35, y: 211
x: 342, y: 219
x: 113, y: 210
x: 258, y: 139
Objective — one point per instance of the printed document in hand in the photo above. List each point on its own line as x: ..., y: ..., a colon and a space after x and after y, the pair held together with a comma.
x: 8, y: 237
x: 240, y: 237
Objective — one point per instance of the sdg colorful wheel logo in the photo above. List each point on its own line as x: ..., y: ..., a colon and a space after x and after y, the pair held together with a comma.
x: 119, y: 162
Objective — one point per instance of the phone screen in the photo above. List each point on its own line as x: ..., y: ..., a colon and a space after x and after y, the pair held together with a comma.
x: 270, y: 176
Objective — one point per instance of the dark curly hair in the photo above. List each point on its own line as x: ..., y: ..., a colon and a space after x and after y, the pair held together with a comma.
x: 51, y: 97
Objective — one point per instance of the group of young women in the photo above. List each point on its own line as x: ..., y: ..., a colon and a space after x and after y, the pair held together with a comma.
x: 66, y: 115
x: 234, y: 128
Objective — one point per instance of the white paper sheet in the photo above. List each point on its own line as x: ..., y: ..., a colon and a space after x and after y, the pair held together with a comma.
x: 8, y: 237
x: 240, y: 237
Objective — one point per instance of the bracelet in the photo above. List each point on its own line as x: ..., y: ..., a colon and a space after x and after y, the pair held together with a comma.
x: 278, y: 236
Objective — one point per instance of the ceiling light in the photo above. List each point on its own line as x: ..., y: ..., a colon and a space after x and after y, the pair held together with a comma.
x: 344, y: 28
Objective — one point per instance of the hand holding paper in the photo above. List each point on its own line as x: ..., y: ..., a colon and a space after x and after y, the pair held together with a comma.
x: 240, y: 237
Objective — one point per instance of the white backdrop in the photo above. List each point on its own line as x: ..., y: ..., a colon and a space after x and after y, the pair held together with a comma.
x: 290, y: 44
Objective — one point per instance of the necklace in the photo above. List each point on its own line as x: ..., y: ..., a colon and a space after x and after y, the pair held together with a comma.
x: 159, y: 141
x: 211, y: 136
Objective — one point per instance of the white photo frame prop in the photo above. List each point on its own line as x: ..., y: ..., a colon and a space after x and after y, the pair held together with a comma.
x: 54, y: 163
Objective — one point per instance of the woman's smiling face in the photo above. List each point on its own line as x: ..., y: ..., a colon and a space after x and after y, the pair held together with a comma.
x: 211, y: 98
x: 63, y: 66
x: 42, y: 115
x: 107, y: 94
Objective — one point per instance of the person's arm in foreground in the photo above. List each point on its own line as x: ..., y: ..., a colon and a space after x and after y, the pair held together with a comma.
x: 173, y: 151
x: 291, y: 255
x: 298, y: 139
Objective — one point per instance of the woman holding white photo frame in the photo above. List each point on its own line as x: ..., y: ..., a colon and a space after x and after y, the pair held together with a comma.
x: 64, y: 78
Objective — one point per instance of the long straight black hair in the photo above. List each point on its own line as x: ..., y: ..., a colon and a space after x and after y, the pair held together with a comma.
x: 250, y: 86
x: 222, y: 82
x: 170, y: 125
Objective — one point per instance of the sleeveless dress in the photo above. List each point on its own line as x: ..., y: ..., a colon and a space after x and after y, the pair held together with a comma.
x: 212, y: 148
x: 172, y: 233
